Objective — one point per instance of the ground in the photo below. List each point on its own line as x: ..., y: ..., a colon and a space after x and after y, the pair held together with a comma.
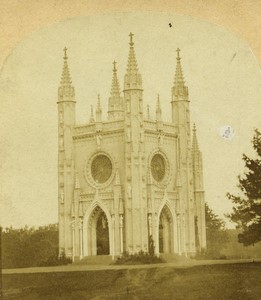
x: 221, y: 281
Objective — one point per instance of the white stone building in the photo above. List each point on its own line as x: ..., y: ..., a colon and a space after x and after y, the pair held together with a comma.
x: 128, y: 179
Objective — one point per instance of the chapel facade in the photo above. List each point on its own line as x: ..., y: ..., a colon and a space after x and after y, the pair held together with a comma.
x: 129, y: 182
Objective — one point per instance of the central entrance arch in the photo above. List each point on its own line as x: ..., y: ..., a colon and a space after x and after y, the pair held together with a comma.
x: 98, y: 242
x: 102, y: 235
x: 165, y: 231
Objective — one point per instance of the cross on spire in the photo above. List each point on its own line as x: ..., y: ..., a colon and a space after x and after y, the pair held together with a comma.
x: 132, y: 79
x: 65, y: 52
x: 131, y: 38
x: 114, y: 66
x: 179, y: 83
x: 65, y: 78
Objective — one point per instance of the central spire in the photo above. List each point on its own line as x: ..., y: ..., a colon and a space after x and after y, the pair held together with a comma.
x: 132, y: 67
x: 179, y: 87
x: 132, y: 79
x: 179, y: 79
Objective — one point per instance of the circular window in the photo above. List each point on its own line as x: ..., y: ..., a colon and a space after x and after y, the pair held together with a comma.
x: 101, y: 168
x: 158, y: 167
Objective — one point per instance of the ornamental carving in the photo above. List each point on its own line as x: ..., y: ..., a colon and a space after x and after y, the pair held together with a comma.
x: 99, y: 170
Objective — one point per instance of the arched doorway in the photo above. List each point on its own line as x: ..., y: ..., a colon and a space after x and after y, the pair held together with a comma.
x: 98, y: 241
x: 165, y: 231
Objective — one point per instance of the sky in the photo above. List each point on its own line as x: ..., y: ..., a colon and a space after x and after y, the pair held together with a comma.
x: 220, y: 71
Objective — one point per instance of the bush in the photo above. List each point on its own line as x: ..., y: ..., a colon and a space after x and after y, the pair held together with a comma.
x: 138, y: 259
x: 55, y: 260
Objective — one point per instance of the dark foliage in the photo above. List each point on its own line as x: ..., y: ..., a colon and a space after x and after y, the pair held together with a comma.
x: 30, y: 247
x: 55, y: 260
x: 235, y: 250
x: 138, y: 259
x: 247, y: 209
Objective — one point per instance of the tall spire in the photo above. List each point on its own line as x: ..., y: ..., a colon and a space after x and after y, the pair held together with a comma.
x: 179, y: 74
x: 115, y: 109
x: 179, y: 87
x: 195, y: 146
x: 132, y: 67
x: 66, y: 78
x: 66, y: 90
x: 115, y: 87
x: 132, y: 79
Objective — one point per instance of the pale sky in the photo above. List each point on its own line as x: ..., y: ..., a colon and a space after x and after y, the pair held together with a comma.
x: 220, y: 71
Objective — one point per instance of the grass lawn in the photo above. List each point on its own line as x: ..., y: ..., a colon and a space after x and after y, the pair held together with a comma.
x: 228, y: 281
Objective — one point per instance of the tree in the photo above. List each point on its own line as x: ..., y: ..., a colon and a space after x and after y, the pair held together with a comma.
x: 216, y: 234
x: 29, y: 247
x: 247, y: 208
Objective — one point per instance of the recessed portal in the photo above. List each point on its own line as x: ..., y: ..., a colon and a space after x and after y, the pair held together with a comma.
x: 98, y: 236
x: 165, y: 231
x: 102, y: 235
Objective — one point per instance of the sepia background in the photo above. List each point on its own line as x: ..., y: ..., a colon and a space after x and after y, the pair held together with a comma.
x: 219, y: 65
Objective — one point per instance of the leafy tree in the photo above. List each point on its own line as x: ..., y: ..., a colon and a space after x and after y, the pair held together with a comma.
x: 29, y: 247
x: 247, y: 210
x: 216, y: 234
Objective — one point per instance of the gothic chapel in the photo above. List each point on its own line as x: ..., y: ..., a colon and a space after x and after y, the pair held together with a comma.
x: 129, y: 179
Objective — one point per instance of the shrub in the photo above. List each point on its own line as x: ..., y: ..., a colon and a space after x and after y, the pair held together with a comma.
x: 55, y: 260
x: 138, y: 258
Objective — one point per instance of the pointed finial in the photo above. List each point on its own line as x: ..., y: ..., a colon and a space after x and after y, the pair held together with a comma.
x: 158, y: 101
x: 65, y: 53
x: 92, y: 117
x: 194, y: 139
x: 178, y: 51
x: 179, y: 84
x: 158, y: 109
x: 132, y: 79
x: 115, y: 88
x: 98, y: 109
x: 114, y: 67
x: 99, y: 102
x: 66, y: 82
x: 131, y: 38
